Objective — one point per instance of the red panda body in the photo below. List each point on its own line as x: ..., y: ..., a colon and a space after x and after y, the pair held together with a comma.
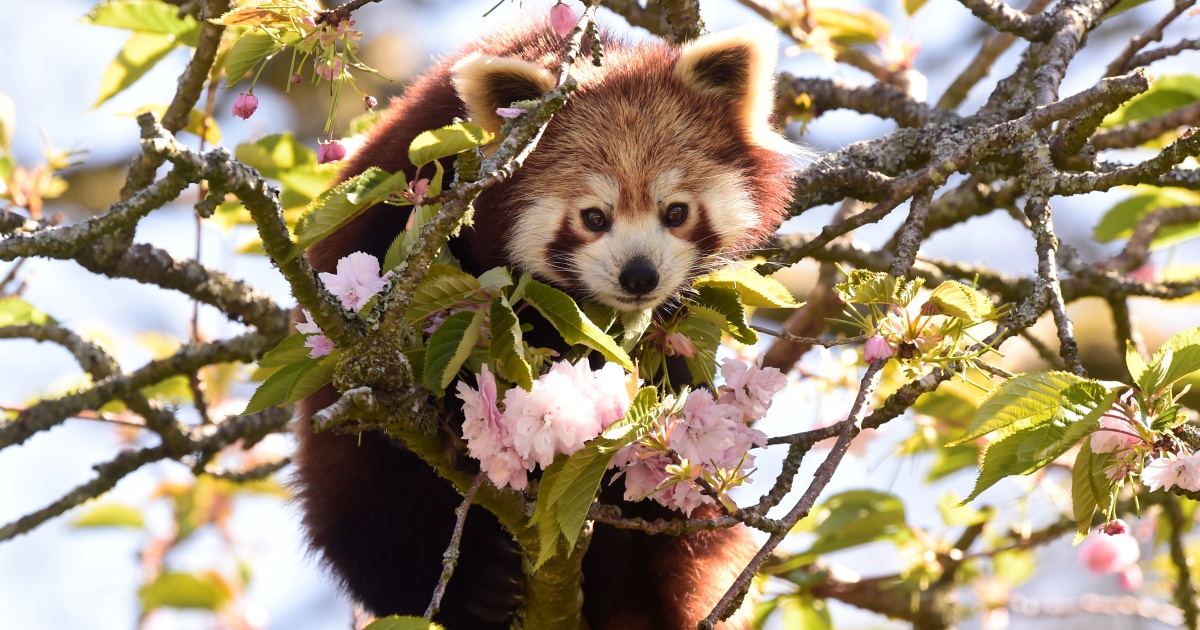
x: 659, y: 165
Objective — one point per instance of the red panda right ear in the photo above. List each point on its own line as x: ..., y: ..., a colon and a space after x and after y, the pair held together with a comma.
x: 487, y: 83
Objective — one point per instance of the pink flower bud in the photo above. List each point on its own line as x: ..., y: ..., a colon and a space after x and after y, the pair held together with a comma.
x: 1115, y: 527
x: 245, y: 105
x: 876, y: 348
x: 509, y: 112
x: 331, y: 151
x: 563, y: 19
x: 371, y: 102
x: 296, y: 77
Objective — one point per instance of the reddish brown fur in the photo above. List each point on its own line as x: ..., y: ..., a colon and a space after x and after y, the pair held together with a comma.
x: 376, y: 513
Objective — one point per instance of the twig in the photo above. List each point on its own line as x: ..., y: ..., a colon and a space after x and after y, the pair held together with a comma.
x: 1148, y: 57
x: 847, y: 429
x: 908, y: 238
x: 1187, y: 145
x: 982, y: 63
x: 1137, y: 249
x: 1153, y: 34
x: 813, y: 341
x: 261, y: 471
x: 1135, y: 133
x: 450, y: 558
x: 1000, y: 16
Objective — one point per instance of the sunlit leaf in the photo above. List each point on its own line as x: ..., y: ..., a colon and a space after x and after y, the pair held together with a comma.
x: 1177, y: 358
x: 507, y: 347
x: 572, y: 324
x: 850, y: 519
x: 14, y: 311
x: 205, y: 591
x: 340, y: 204
x: 959, y: 300
x: 1120, y: 220
x: 110, y: 515
x: 723, y: 308
x: 396, y: 622
x: 449, y: 140
x: 449, y: 346
x: 144, y: 16
x: 1166, y: 94
x: 754, y: 289
x: 140, y: 53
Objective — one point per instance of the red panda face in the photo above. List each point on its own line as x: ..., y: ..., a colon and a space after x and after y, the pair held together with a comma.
x: 659, y: 166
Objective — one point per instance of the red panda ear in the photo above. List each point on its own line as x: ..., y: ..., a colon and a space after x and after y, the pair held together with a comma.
x: 486, y: 83
x: 738, y: 66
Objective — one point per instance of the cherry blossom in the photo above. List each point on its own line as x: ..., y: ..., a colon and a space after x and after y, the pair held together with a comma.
x: 356, y: 281
x: 332, y: 151
x: 1110, y: 554
x: 749, y: 387
x: 1114, y: 435
x: 876, y: 348
x: 509, y: 112
x: 563, y: 19
x: 1169, y: 471
x: 320, y: 344
x: 245, y: 105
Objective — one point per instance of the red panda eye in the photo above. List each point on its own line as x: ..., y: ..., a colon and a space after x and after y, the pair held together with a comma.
x: 595, y: 220
x: 676, y: 214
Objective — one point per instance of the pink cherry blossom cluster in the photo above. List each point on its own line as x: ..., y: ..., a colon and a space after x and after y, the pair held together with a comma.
x: 1122, y: 433
x: 704, y: 450
x: 356, y: 281
x: 565, y: 408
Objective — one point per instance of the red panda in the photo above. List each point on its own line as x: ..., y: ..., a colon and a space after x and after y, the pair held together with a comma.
x: 662, y: 163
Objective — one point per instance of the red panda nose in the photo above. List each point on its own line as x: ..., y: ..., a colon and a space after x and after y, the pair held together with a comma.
x: 639, y: 276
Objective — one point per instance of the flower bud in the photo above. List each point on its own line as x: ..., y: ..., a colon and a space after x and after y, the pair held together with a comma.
x: 876, y: 348
x: 1114, y: 527
x: 331, y: 151
x: 296, y: 77
x: 371, y: 102
x: 563, y: 19
x: 245, y: 105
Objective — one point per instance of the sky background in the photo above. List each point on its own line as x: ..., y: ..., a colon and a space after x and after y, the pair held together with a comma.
x: 63, y: 578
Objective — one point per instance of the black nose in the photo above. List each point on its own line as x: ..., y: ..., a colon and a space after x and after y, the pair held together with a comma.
x: 639, y: 276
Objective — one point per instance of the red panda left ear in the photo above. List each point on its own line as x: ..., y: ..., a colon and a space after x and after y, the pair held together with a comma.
x: 487, y: 83
x: 739, y: 66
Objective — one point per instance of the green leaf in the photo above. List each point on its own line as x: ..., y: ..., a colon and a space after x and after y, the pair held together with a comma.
x: 337, y: 206
x: 1134, y: 362
x: 143, y: 16
x: 275, y: 154
x: 396, y: 622
x: 959, y: 300
x: 293, y: 382
x: 1028, y: 445
x: 1024, y: 400
x: 875, y: 287
x: 754, y: 289
x: 847, y: 520
x: 1015, y: 566
x: 1091, y: 489
x: 205, y: 591
x: 140, y: 53
x: 635, y: 325
x: 495, y: 280
x: 448, y: 348
x: 951, y: 459
x: 1177, y: 358
x: 443, y: 287
x: 507, y: 348
x: 1120, y: 220
x: 449, y: 140
x: 250, y: 48
x: 955, y: 513
x: 562, y: 312
x: 706, y: 338
x: 723, y: 309
x: 14, y: 311
x: 805, y: 612
x: 111, y: 515
x: 1166, y: 94
x: 290, y: 350
x: 569, y: 485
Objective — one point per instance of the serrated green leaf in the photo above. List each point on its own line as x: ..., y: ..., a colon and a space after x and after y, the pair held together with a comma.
x: 1024, y: 400
x: 275, y: 154
x: 1025, y: 447
x: 507, y: 347
x: 337, y: 206
x: 395, y: 253
x: 143, y: 16
x: 111, y: 515
x: 635, y: 325
x: 1166, y: 94
x: 1177, y: 358
x: 1134, y: 362
x: 14, y: 311
x: 959, y: 300
x: 443, y: 287
x: 293, y: 382
x: 495, y: 280
x: 562, y: 312
x: 396, y: 622
x: 875, y: 287
x: 449, y: 140
x: 569, y: 485
x: 1091, y: 489
x: 205, y: 591
x: 1120, y: 220
x: 754, y: 289
x: 140, y: 53
x: 448, y: 348
x: 290, y: 350
x: 706, y: 338
x: 247, y: 51
x: 723, y: 308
